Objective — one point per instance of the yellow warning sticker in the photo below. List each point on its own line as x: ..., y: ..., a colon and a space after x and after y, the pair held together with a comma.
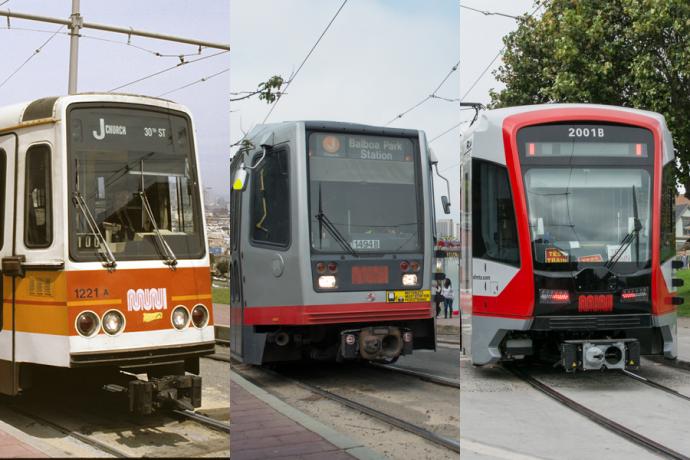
x: 148, y: 317
x: 408, y: 296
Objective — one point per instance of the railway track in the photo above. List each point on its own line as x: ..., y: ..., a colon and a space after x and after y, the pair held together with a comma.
x: 437, y: 379
x: 204, y: 420
x: 598, y: 418
x: 399, y: 423
x: 674, y: 363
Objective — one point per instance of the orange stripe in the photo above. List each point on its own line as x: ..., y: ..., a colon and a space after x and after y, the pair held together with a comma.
x: 41, y: 319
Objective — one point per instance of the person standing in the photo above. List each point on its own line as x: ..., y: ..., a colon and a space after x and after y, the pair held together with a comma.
x: 448, y: 294
x: 438, y: 298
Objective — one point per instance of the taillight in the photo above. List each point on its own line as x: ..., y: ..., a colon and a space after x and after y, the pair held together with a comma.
x: 414, y: 266
x: 320, y: 267
x: 332, y: 267
x: 404, y: 265
x: 199, y: 316
x: 640, y: 294
x: 87, y: 324
x: 554, y: 296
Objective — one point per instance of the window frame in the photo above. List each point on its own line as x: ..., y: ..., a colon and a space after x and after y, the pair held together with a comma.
x: 276, y: 150
x: 48, y: 197
x: 476, y: 217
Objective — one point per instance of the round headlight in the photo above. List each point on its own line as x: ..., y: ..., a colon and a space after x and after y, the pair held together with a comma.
x: 180, y: 317
x: 87, y: 324
x: 113, y: 322
x: 199, y: 316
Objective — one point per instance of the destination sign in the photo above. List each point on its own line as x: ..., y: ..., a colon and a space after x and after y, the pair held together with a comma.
x: 104, y: 127
x: 361, y: 147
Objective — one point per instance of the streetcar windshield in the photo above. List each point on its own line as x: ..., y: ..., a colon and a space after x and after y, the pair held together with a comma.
x: 366, y: 187
x: 582, y: 215
x: 115, y: 155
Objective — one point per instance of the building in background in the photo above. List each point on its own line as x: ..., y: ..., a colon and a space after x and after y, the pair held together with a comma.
x: 445, y: 229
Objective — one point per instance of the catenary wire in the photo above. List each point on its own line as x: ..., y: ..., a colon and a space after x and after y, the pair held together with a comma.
x: 201, y: 80
x: 36, y: 51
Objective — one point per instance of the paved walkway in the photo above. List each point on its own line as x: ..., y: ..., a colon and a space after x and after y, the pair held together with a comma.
x: 11, y: 447
x: 264, y: 427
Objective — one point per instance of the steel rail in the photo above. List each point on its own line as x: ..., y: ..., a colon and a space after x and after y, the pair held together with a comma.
x: 437, y: 379
x: 430, y: 436
x: 654, y: 384
x: 675, y: 363
x: 596, y: 417
x: 204, y: 420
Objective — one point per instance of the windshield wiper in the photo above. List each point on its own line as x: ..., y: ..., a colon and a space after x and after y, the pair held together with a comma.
x: 628, y: 239
x: 79, y: 202
x: 325, y: 222
x: 168, y: 254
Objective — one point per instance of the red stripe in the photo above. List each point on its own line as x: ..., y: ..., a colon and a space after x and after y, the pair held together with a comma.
x: 334, y: 314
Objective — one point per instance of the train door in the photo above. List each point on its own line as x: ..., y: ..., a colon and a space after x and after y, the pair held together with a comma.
x: 236, y: 273
x: 465, y: 291
x: 9, y: 375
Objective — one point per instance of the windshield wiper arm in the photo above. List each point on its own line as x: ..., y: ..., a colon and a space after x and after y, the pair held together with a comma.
x: 628, y: 239
x: 103, y: 248
x: 168, y: 254
x: 326, y: 223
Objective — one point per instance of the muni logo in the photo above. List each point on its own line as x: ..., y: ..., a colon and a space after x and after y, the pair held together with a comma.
x: 147, y: 299
x: 594, y: 303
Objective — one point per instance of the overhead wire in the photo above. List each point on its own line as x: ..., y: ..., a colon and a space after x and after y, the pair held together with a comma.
x: 167, y: 69
x: 36, y: 51
x: 294, y: 75
x: 201, y: 80
x: 429, y: 97
x: 489, y: 13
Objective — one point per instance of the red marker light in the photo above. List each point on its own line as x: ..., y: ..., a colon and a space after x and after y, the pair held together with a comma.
x: 532, y: 149
x: 404, y: 265
x: 638, y: 150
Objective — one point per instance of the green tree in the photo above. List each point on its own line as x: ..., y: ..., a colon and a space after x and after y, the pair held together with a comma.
x: 633, y: 53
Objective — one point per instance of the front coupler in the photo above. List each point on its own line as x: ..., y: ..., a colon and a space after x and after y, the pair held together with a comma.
x: 169, y: 392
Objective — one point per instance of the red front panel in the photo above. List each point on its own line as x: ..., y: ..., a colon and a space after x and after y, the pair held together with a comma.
x: 517, y: 298
x: 335, y: 314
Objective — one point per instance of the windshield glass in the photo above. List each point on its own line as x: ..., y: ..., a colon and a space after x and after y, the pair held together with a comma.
x: 580, y: 215
x: 366, y: 187
x: 114, y: 154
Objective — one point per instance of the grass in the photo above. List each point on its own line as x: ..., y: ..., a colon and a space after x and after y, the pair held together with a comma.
x: 221, y: 295
x: 684, y: 292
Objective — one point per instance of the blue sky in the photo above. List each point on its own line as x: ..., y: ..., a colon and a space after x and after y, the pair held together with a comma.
x: 104, y: 65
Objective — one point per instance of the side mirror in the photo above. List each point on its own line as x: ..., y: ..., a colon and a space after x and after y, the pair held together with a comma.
x: 239, y: 182
x: 446, y: 204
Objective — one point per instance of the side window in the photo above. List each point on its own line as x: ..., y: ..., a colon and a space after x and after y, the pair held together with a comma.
x: 38, y: 218
x: 668, y: 224
x: 494, y: 230
x: 270, y: 200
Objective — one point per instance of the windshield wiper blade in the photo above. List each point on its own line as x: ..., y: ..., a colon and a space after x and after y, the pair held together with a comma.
x: 325, y: 222
x: 103, y: 248
x: 630, y: 237
x: 168, y: 254
x: 78, y: 200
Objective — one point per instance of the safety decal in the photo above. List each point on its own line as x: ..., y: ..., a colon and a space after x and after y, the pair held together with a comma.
x: 555, y: 256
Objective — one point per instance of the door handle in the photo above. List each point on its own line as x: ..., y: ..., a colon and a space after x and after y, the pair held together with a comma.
x: 13, y: 265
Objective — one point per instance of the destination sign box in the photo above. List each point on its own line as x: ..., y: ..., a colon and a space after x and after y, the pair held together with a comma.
x: 136, y: 129
x: 361, y: 147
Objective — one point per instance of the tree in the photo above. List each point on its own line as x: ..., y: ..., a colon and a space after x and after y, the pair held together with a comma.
x: 633, y: 53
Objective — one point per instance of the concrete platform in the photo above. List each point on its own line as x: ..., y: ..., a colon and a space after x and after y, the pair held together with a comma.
x: 684, y: 338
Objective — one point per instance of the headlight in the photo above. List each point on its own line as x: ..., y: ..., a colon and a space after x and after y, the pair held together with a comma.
x: 199, y: 316
x: 327, y: 282
x: 87, y: 324
x: 180, y: 317
x: 113, y: 322
x: 409, y: 279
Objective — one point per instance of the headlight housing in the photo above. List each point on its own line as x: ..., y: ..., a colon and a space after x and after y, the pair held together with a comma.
x: 409, y: 279
x: 200, y: 316
x: 113, y: 322
x: 87, y: 323
x: 179, y: 317
x: 327, y: 282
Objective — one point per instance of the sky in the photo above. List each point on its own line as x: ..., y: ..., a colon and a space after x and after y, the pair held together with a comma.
x: 104, y: 65
x: 379, y: 58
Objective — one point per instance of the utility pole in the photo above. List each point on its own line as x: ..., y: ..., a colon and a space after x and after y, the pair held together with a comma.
x: 76, y: 22
x: 75, y: 25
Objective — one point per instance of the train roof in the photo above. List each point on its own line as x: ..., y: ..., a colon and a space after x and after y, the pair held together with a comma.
x: 336, y: 126
x: 495, y: 117
x: 22, y: 113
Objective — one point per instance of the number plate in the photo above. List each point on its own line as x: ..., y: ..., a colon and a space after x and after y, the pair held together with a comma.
x: 408, y: 296
x: 366, y: 244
